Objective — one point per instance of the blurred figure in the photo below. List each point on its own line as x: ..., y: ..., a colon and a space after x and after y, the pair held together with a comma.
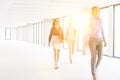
x: 57, y: 37
x: 71, y: 38
x: 96, y: 38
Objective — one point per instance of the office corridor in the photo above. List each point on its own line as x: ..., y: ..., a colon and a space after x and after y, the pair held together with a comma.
x: 26, y: 61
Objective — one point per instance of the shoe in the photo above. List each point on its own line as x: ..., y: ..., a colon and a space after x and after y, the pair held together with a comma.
x: 56, y: 67
x: 94, y: 77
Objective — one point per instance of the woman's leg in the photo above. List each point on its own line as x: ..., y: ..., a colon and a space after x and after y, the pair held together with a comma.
x: 93, y: 58
x: 70, y: 52
x: 58, y: 55
x: 92, y: 47
x: 55, y: 58
x: 99, y: 50
x: 73, y: 47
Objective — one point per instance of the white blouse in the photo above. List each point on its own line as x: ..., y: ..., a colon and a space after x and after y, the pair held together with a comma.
x: 96, y: 28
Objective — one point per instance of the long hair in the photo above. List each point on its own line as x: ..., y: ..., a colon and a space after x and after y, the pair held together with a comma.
x: 54, y: 22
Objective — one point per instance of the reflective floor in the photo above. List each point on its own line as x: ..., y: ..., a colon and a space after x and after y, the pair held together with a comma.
x: 26, y: 61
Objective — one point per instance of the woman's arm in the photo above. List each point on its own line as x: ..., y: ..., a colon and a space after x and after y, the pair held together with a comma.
x: 103, y: 34
x: 50, y: 36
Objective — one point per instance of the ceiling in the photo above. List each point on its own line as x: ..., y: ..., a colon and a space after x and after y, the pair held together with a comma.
x: 15, y: 13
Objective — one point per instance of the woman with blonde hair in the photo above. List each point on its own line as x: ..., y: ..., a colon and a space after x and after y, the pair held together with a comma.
x: 96, y: 38
x: 71, y: 38
x: 56, y: 36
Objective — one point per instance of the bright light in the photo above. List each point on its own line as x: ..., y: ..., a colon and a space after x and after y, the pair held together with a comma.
x: 79, y: 20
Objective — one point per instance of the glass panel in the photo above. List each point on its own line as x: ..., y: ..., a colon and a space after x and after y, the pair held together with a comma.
x: 34, y: 33
x: 13, y: 33
x: 104, y: 14
x: 8, y: 33
x: 2, y: 33
x: 117, y: 31
x: 39, y: 32
x: 42, y: 33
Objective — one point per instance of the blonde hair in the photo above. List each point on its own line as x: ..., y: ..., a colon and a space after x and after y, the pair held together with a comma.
x: 54, y: 21
x: 93, y: 8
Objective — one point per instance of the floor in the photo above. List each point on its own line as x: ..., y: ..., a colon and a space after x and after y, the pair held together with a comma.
x: 26, y: 61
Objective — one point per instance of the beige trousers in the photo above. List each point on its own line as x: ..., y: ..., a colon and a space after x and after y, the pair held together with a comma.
x: 95, y: 46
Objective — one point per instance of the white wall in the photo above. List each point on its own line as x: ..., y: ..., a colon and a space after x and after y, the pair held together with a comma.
x: 29, y: 33
x: 19, y: 33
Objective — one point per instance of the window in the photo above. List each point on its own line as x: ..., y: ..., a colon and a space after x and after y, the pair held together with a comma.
x: 117, y: 32
x: 104, y: 14
x: 2, y: 33
x: 7, y: 33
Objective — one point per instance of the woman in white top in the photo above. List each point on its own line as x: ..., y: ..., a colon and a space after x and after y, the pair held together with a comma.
x: 96, y: 37
x: 71, y: 38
